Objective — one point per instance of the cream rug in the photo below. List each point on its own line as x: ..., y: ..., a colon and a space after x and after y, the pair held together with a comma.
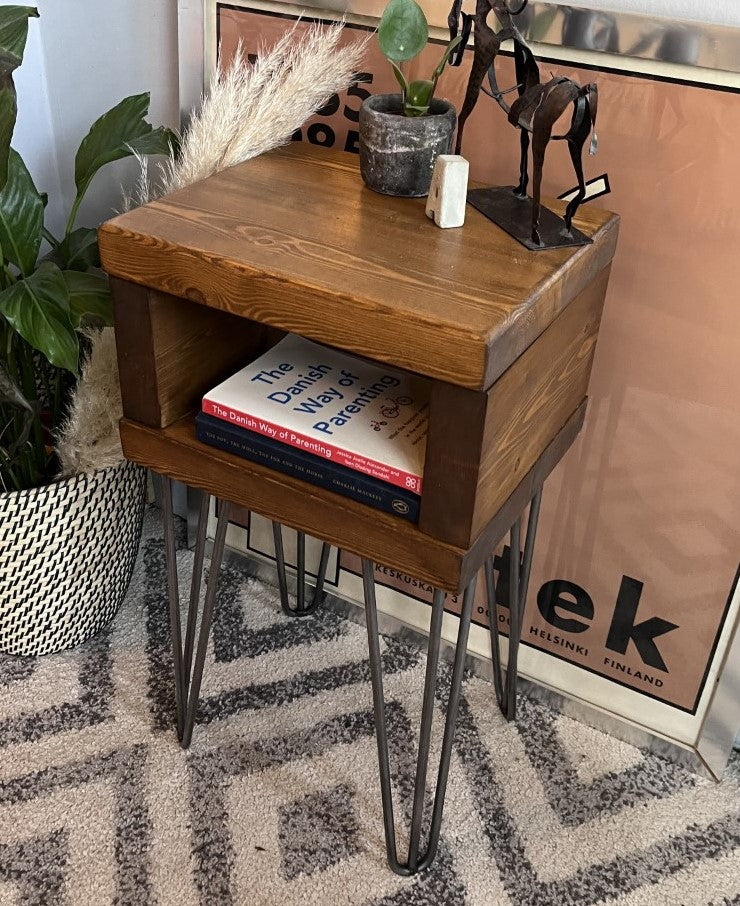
x: 277, y: 802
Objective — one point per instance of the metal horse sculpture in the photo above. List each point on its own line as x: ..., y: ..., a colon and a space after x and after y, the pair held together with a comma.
x: 538, y: 106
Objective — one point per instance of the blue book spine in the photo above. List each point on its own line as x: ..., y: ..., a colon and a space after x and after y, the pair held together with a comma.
x: 313, y: 469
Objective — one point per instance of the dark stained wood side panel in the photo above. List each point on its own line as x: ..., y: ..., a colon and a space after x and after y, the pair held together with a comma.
x: 534, y: 397
x: 492, y: 534
x: 452, y: 462
x: 196, y: 348
x: 172, y: 351
x: 485, y: 442
x: 136, y: 361
x: 549, y: 299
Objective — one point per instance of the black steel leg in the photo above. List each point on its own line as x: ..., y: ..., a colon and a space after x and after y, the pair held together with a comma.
x: 301, y: 609
x: 205, y: 622
x: 519, y: 570
x: 416, y: 862
x: 173, y: 593
x: 515, y: 620
x: 200, y: 550
x: 187, y: 689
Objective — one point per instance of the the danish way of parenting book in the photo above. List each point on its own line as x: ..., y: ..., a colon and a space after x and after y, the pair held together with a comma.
x: 321, y: 472
x: 364, y: 416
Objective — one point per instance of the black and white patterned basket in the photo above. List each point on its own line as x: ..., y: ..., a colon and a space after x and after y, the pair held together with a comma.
x: 67, y: 552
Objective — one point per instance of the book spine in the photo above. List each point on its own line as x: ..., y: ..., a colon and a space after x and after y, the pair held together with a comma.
x: 309, y: 468
x: 289, y: 437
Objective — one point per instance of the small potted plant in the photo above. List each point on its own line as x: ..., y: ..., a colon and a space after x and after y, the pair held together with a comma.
x: 401, y: 135
x: 70, y: 505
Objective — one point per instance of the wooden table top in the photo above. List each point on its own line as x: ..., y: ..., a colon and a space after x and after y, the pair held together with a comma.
x: 294, y: 239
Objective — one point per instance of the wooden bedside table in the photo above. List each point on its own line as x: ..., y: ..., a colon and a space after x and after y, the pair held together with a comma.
x: 210, y: 277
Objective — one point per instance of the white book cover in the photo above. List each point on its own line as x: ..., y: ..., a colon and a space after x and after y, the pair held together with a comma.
x: 366, y: 416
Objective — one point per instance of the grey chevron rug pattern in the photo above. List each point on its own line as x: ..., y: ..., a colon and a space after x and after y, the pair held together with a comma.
x: 277, y: 801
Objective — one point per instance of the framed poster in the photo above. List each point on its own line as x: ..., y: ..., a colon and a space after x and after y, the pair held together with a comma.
x: 634, y: 600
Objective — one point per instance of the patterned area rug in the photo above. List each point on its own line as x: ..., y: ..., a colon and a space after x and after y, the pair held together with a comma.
x: 277, y: 801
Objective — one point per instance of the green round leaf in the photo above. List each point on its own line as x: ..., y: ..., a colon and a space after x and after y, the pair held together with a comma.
x: 403, y: 31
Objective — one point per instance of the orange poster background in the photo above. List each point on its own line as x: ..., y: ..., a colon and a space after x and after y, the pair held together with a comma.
x: 651, y: 490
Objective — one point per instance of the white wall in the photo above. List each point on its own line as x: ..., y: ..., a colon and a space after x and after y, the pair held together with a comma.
x: 83, y: 56
x: 191, y: 42
x: 721, y: 12
x: 34, y: 123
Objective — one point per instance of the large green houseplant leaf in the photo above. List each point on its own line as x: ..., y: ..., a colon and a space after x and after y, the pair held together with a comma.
x: 21, y: 217
x: 37, y: 307
x: 78, y: 250
x: 47, y: 305
x: 14, y: 31
x: 89, y: 298
x: 13, y: 34
x: 119, y: 133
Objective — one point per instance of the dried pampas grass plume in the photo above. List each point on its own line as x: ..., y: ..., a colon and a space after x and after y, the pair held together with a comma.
x: 88, y: 439
x: 252, y: 108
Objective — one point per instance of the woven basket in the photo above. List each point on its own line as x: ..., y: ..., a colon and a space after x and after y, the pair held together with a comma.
x: 67, y: 551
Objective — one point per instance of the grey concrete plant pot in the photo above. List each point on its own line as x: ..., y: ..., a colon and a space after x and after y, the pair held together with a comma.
x: 397, y: 152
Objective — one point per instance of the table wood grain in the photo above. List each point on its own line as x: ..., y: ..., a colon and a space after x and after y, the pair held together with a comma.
x: 293, y: 239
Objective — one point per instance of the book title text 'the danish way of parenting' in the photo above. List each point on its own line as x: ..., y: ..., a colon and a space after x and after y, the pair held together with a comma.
x: 323, y: 401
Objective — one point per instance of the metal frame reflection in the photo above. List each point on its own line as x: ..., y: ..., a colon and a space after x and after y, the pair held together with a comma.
x: 662, y: 40
x: 668, y: 48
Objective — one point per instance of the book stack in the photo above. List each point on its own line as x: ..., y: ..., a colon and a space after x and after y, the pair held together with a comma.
x: 334, y: 420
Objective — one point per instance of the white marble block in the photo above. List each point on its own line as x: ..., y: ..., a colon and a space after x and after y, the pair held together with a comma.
x: 448, y: 191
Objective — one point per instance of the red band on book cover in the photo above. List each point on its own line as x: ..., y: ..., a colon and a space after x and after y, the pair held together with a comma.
x: 292, y: 438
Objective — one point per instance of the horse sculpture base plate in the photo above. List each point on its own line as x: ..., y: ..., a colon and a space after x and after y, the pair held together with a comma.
x: 514, y: 215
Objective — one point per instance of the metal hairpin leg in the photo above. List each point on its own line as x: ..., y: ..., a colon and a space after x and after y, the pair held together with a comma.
x: 173, y: 592
x: 301, y: 609
x: 518, y: 585
x: 416, y: 862
x: 187, y: 687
